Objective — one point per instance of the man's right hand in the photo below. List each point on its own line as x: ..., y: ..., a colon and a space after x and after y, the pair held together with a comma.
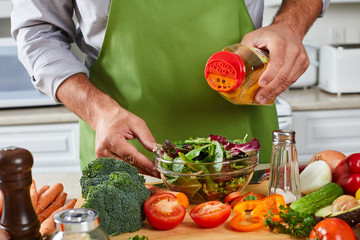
x: 112, y: 133
x: 113, y: 124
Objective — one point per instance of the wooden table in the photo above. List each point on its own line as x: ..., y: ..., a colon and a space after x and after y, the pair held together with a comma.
x: 188, y: 229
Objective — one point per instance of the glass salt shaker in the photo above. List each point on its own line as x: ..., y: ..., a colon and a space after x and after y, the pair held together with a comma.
x: 78, y: 224
x: 284, y: 170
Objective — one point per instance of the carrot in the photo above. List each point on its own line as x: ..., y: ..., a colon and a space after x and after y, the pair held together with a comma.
x: 4, y: 235
x: 33, y: 194
x: 48, y: 197
x: 43, y: 189
x: 47, y: 227
x: 58, y: 203
x: 181, y: 197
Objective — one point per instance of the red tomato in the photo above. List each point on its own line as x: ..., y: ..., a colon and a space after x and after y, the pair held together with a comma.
x: 230, y: 197
x: 210, y: 214
x: 163, y: 211
x: 332, y: 229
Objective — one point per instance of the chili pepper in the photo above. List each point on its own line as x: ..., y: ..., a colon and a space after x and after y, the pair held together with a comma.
x: 347, y: 174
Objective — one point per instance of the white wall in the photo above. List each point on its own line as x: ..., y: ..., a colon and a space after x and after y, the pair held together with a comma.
x: 5, y: 28
x: 338, y: 15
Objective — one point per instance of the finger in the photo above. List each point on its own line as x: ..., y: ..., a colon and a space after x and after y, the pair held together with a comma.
x: 282, y: 66
x: 275, y: 88
x: 129, y: 153
x: 277, y: 56
x: 131, y: 160
x: 143, y: 134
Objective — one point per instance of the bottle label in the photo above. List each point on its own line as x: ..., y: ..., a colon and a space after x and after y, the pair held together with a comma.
x: 264, y: 57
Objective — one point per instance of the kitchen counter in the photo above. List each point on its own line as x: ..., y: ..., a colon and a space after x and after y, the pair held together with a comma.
x: 312, y: 99
x: 36, y: 115
x: 71, y: 182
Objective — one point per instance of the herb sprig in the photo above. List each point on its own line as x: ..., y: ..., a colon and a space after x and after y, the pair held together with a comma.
x: 139, y: 238
x: 292, y: 222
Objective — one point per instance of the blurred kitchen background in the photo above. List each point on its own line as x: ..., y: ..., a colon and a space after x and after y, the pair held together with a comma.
x: 323, y: 106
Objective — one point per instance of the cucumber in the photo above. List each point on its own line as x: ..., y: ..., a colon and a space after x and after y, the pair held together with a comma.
x: 312, y: 202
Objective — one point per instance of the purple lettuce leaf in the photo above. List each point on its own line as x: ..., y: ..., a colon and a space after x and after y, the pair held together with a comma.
x: 253, y: 145
x: 236, y: 149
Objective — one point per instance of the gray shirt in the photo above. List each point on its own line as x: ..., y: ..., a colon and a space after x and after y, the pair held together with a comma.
x: 45, y: 29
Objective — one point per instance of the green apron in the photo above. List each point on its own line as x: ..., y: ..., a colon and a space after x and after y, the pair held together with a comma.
x: 152, y: 63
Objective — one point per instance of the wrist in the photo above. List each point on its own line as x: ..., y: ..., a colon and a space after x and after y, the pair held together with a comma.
x: 298, y: 16
x: 297, y: 33
x: 103, y: 108
x: 88, y: 102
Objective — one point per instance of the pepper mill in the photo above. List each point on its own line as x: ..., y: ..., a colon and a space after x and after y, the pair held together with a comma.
x: 18, y: 218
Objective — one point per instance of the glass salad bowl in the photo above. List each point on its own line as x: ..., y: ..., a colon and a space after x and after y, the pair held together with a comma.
x: 206, y: 169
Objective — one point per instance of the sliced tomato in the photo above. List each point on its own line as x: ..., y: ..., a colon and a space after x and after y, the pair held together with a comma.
x: 332, y: 228
x: 236, y: 196
x: 210, y: 214
x: 259, y: 196
x: 163, y: 211
x: 239, y: 199
x: 230, y: 197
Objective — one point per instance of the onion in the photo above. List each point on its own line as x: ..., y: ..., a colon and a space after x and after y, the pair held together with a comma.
x: 331, y: 157
x: 314, y: 176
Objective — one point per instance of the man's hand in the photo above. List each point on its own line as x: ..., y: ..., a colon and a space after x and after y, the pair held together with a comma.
x: 113, y: 125
x: 112, y: 132
x: 283, y: 39
x: 288, y: 59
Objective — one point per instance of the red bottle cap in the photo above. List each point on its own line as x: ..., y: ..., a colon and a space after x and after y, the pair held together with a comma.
x: 225, y: 71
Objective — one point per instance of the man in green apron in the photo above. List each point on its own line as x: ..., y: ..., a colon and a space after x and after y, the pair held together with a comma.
x: 148, y: 84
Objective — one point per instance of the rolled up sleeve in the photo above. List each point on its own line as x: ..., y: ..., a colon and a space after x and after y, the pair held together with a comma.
x: 326, y: 4
x: 44, y: 31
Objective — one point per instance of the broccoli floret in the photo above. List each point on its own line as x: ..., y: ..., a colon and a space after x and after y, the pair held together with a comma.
x: 98, y: 171
x: 119, y: 197
x: 119, y: 212
x: 129, y: 183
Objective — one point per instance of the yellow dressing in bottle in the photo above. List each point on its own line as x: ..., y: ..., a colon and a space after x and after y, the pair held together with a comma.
x: 235, y: 71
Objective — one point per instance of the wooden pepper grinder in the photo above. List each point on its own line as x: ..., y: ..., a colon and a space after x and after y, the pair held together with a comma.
x: 18, y: 217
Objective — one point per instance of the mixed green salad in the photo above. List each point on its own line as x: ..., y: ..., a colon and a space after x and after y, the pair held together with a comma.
x: 207, y: 168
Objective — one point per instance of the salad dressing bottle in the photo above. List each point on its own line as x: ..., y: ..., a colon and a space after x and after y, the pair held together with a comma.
x: 234, y: 73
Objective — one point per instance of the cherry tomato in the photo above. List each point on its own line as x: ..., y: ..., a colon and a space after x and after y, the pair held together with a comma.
x: 331, y: 229
x: 210, y: 214
x: 163, y: 211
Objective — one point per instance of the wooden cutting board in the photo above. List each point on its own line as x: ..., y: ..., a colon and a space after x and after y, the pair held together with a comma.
x: 188, y: 229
